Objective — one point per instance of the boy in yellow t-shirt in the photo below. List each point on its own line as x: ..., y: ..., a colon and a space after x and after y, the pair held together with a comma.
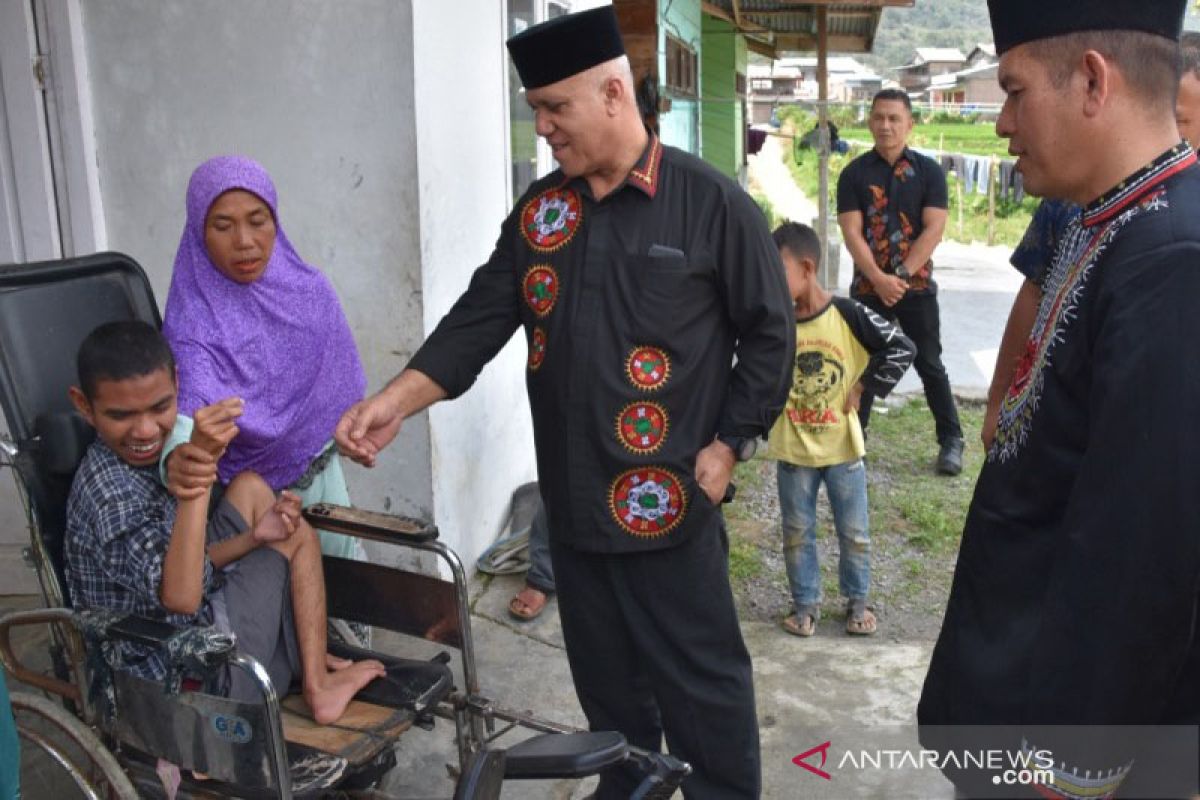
x: 842, y: 347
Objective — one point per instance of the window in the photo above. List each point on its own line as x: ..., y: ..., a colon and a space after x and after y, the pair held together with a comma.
x: 682, y: 69
x: 530, y: 156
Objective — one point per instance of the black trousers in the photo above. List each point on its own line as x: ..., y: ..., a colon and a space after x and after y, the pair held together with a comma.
x: 654, y: 647
x: 919, y: 318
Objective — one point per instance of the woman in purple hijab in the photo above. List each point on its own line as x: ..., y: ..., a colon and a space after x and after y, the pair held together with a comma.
x: 247, y: 317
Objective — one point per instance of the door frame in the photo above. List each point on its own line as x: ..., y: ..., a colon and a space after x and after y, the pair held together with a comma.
x: 71, y: 126
x: 50, y: 202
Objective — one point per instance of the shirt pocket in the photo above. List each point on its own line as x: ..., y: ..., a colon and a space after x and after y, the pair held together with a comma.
x: 670, y: 292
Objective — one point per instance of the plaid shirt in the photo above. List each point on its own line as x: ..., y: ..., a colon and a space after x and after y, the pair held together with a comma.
x: 119, y: 521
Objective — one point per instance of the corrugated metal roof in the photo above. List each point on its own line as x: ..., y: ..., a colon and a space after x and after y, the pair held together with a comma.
x: 940, y: 54
x: 792, y: 26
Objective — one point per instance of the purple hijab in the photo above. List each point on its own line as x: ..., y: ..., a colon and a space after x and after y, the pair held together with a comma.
x: 282, y: 343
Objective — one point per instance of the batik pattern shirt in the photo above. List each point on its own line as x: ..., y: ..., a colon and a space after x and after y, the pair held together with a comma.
x: 892, y: 199
x: 633, y: 307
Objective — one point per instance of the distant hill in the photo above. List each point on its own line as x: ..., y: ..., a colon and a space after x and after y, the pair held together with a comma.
x: 938, y: 23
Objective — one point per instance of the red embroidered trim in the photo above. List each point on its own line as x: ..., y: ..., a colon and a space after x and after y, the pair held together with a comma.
x: 642, y: 427
x: 550, y: 220
x: 541, y: 288
x: 648, y: 501
x: 537, y: 348
x: 648, y: 368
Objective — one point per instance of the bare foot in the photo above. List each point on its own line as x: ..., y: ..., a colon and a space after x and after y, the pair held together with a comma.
x: 329, y: 695
x: 333, y: 663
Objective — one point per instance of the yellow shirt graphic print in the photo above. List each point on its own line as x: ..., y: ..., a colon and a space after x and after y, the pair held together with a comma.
x: 813, y: 430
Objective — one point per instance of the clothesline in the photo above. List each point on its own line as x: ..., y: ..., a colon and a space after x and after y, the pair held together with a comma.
x: 975, y: 172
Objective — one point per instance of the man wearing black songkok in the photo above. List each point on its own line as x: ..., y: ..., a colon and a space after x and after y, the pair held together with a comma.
x: 1075, y: 594
x: 637, y: 274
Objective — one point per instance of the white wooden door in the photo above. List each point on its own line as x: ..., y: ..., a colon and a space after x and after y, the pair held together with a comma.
x: 28, y: 220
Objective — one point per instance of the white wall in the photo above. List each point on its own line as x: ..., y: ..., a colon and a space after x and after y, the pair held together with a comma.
x: 482, y: 442
x: 385, y: 127
x: 322, y: 94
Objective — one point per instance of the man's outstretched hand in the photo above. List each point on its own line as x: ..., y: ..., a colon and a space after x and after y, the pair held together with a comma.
x: 367, y: 427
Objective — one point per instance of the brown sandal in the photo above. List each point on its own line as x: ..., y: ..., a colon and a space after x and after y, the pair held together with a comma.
x: 800, y: 623
x: 860, y: 621
x: 528, y: 603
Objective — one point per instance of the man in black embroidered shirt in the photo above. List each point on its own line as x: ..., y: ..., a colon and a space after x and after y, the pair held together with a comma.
x: 1075, y: 593
x: 892, y: 211
x: 637, y: 273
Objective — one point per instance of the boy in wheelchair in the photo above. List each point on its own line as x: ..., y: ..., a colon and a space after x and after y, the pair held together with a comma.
x: 247, y: 562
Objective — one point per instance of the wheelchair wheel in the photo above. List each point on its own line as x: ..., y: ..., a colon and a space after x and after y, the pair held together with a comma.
x: 61, y: 757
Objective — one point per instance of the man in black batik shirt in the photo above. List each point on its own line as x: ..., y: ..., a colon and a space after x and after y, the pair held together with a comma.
x: 637, y: 273
x: 892, y: 210
x: 1075, y: 593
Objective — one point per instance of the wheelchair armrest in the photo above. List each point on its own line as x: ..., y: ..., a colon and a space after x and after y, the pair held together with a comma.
x: 142, y: 630
x: 370, y: 524
x: 197, y: 645
x: 16, y: 670
x: 565, y: 755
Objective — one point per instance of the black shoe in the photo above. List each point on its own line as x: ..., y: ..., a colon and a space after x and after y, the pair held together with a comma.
x: 949, y: 460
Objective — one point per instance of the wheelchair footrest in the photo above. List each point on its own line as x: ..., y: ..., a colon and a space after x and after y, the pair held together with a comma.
x: 358, y: 736
x: 413, y: 685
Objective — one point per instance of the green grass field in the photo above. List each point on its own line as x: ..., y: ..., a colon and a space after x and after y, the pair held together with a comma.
x: 968, y: 224
x: 970, y: 138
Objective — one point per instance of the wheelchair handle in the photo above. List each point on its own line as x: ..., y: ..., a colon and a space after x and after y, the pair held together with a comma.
x: 21, y: 673
x: 370, y: 524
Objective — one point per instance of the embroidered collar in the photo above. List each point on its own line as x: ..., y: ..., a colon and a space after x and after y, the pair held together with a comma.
x: 1133, y: 188
x: 644, y: 174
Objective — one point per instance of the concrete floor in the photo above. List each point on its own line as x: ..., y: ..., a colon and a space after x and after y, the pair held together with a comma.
x: 858, y: 694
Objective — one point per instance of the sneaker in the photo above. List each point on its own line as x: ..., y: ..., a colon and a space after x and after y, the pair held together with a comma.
x: 949, y: 460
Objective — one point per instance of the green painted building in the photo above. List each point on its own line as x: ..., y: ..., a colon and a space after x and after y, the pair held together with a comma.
x: 723, y: 106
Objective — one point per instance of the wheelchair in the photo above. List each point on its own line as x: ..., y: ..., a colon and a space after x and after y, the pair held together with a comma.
x: 109, y: 731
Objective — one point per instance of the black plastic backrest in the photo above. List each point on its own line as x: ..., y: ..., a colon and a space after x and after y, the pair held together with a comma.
x: 46, y: 310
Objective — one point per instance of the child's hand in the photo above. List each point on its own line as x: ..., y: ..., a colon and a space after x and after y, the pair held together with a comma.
x: 853, y: 398
x: 215, y: 428
x: 280, y: 522
x: 191, y: 472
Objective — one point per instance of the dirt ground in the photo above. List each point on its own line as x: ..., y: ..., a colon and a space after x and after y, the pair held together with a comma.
x: 916, y: 521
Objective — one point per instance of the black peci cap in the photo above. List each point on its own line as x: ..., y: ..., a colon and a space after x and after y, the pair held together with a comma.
x: 1015, y: 22
x: 566, y: 46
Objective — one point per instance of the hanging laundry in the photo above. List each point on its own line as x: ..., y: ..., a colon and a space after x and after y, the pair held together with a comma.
x: 754, y: 140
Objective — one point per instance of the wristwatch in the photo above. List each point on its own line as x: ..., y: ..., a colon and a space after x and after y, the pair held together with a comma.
x: 743, y: 447
x: 902, y: 271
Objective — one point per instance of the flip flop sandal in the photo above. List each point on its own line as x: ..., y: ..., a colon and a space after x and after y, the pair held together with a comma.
x: 528, y: 604
x: 860, y: 621
x: 802, y: 622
